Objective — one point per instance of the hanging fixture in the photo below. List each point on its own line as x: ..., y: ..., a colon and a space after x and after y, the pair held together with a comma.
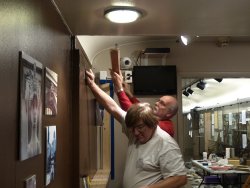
x: 122, y: 14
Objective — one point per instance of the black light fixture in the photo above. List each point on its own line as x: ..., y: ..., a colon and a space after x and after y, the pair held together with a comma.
x: 201, y: 85
x: 185, y: 93
x: 190, y: 91
x: 218, y: 79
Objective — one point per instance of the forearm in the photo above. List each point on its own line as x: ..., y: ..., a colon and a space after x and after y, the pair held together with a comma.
x: 106, y: 101
x: 124, y: 100
x: 134, y: 100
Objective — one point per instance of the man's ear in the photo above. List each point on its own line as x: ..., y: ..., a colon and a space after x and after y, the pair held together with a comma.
x: 168, y: 115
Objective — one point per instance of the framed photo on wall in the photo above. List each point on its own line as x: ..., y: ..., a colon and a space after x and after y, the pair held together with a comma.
x: 30, y: 182
x: 50, y: 92
x: 50, y: 153
x: 31, y: 72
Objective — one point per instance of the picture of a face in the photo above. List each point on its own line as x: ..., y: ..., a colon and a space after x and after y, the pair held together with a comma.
x: 30, y: 107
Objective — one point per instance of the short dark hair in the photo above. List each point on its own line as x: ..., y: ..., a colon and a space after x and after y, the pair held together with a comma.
x: 141, y: 112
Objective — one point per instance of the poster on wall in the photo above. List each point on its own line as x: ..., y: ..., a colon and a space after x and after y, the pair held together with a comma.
x: 31, y: 72
x: 30, y: 182
x: 50, y: 92
x: 50, y: 153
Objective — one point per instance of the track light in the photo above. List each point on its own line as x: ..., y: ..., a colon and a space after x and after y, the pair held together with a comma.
x: 190, y: 91
x: 186, y: 39
x: 185, y: 93
x: 201, y: 85
x: 218, y: 79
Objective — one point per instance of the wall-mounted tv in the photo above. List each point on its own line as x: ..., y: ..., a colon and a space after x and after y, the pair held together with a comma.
x: 155, y: 80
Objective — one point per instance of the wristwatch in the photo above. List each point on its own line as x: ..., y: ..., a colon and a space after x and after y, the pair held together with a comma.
x: 119, y: 90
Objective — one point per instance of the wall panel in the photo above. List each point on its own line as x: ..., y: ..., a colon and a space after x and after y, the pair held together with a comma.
x: 35, y: 28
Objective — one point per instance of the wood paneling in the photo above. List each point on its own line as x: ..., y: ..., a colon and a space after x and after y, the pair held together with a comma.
x: 84, y: 122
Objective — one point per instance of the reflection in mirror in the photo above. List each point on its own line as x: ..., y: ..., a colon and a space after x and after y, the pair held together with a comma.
x: 216, y: 116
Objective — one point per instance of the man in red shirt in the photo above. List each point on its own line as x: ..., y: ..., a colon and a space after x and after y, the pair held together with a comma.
x: 165, y: 108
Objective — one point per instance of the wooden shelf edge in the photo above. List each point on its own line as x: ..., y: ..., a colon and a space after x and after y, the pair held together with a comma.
x: 100, y: 179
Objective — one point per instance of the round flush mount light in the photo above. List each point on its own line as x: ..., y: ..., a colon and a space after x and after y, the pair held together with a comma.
x: 122, y: 14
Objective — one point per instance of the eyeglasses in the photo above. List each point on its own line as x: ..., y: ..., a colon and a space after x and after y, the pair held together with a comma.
x: 139, y: 128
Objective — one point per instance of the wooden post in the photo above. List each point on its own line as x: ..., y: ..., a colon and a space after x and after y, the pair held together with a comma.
x: 115, y: 60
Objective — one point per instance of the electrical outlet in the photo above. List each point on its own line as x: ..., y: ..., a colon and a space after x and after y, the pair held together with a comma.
x: 128, y: 76
x: 102, y: 75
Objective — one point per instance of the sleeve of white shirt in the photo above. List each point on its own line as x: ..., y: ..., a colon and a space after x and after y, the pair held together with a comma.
x: 124, y: 127
x: 171, y: 161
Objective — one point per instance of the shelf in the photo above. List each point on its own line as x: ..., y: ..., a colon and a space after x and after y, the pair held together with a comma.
x: 100, y: 179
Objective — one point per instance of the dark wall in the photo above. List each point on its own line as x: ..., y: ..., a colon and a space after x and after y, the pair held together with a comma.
x: 33, y: 26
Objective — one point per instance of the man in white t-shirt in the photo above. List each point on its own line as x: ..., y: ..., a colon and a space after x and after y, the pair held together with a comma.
x: 153, y: 158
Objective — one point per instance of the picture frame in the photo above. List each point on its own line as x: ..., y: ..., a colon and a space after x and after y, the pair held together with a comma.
x: 31, y: 76
x: 51, y: 79
x: 51, y: 142
x: 30, y: 182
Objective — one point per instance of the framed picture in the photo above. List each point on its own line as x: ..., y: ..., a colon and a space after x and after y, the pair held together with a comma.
x: 31, y: 72
x: 50, y: 92
x: 30, y: 182
x: 50, y: 153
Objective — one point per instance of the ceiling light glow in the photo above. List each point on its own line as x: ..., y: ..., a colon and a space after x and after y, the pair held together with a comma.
x: 184, y: 40
x: 122, y: 14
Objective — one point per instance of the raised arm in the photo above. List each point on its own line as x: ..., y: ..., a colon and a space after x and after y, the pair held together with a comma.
x: 103, y: 98
x: 125, y: 97
x: 131, y: 97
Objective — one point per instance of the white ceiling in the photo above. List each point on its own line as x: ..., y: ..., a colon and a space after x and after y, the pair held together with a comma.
x: 210, y: 19
x: 216, y: 94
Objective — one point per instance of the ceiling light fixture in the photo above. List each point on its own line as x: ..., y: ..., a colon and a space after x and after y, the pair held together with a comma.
x: 122, y: 14
x: 219, y: 79
x: 185, y: 39
x: 201, y: 85
x: 190, y: 91
x: 185, y: 93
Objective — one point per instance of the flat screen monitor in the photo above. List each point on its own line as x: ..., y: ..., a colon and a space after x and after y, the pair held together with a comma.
x: 154, y: 80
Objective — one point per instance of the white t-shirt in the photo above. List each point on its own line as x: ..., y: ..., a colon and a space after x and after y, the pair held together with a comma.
x: 148, y: 163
